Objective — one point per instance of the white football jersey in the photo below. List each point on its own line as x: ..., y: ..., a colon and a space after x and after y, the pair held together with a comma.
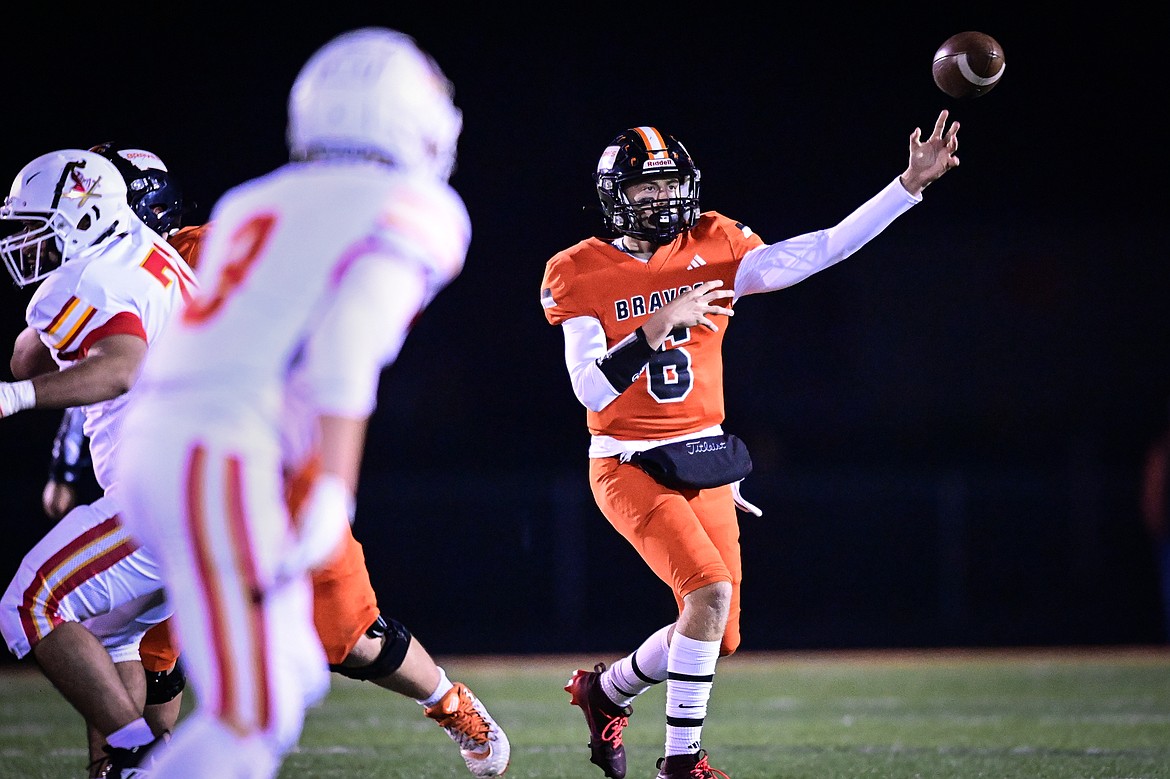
x: 273, y: 296
x: 131, y: 285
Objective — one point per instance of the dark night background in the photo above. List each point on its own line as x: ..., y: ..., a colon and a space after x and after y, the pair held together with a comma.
x: 947, y: 427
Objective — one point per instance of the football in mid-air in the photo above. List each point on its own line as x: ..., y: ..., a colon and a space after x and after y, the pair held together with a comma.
x: 968, y: 64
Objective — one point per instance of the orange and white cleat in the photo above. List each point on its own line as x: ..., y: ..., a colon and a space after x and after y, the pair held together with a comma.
x: 482, y: 743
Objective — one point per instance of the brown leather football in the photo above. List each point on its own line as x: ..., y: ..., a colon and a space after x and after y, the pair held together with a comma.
x: 968, y: 64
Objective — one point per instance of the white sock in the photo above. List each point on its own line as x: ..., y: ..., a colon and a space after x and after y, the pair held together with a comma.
x: 129, y: 736
x: 635, y: 673
x: 442, y: 689
x: 690, y: 673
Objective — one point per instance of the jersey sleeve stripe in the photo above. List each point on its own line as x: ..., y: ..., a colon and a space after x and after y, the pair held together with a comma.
x: 70, y: 323
x: 122, y: 323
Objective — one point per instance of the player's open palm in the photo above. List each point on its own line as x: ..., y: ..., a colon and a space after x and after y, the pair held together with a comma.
x: 931, y: 158
x: 692, y: 308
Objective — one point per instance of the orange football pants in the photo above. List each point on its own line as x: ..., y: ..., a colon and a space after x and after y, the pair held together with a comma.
x: 689, y: 539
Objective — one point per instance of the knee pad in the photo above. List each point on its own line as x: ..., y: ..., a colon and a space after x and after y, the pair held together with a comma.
x: 395, y: 642
x: 163, y: 686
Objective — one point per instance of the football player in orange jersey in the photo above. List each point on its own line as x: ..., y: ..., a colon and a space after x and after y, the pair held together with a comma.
x: 644, y: 315
x: 359, y: 642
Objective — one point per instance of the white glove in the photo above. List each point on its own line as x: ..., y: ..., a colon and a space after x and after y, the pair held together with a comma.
x: 16, y: 396
x: 321, y: 523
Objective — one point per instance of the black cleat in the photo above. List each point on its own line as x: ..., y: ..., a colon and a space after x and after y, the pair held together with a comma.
x: 133, y: 763
x: 688, y: 767
x: 606, y: 721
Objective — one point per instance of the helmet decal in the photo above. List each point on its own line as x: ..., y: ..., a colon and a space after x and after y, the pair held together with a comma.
x: 607, y: 158
x: 83, y: 188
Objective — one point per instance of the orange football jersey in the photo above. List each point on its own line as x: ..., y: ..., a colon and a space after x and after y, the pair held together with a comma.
x: 681, y: 390
x: 188, y: 242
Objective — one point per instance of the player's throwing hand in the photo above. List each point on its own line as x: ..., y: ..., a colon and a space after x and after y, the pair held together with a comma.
x: 689, y: 309
x: 931, y: 158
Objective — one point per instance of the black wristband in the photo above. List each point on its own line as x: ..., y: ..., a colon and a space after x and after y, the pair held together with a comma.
x: 622, y: 364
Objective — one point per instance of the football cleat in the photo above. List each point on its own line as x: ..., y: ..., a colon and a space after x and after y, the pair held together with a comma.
x: 133, y: 763
x: 482, y: 743
x: 688, y: 767
x: 605, y: 718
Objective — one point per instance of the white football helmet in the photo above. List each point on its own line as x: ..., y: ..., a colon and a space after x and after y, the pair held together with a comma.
x: 373, y: 92
x: 60, y: 204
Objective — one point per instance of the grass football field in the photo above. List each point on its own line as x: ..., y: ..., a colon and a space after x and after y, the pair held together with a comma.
x: 1092, y: 713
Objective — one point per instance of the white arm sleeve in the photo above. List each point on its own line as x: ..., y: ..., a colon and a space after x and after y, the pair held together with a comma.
x: 584, y: 346
x: 361, y: 332
x: 778, y: 265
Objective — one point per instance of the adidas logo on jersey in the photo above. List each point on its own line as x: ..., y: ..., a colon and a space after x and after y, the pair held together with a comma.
x: 698, y: 262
